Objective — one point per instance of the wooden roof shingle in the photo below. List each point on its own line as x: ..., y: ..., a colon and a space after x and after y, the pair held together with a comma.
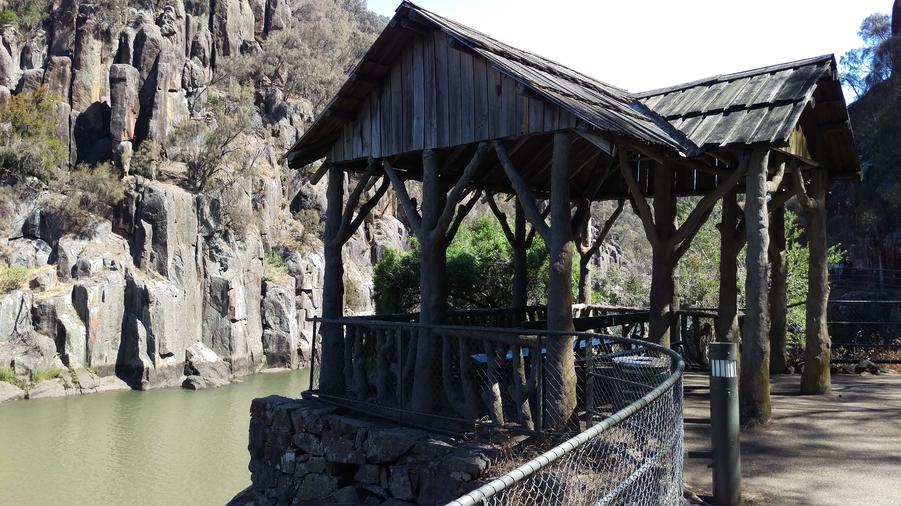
x: 756, y: 106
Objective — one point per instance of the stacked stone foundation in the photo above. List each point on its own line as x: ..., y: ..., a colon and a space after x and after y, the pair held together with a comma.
x: 307, y: 452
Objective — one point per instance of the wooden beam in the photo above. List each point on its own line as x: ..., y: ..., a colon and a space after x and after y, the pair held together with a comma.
x: 596, y: 140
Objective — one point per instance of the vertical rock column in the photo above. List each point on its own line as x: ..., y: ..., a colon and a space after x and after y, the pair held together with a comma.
x: 125, y: 106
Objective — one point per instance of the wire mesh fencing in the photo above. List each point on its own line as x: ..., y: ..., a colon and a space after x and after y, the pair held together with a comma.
x: 631, y: 452
x: 865, y: 329
x: 605, y: 410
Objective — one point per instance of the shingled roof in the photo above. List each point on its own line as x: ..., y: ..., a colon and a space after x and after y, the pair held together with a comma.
x: 764, y: 105
x: 603, y: 106
x: 761, y: 105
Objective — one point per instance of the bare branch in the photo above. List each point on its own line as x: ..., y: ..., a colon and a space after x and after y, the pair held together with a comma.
x: 501, y: 218
x: 461, y: 213
x: 531, y: 235
x: 366, y: 208
x: 638, y: 199
x: 800, y: 188
x: 353, y: 200
x: 682, y: 247
x: 456, y: 194
x: 773, y: 184
x: 412, y: 214
x: 608, y: 225
x: 526, y: 200
x: 699, y: 214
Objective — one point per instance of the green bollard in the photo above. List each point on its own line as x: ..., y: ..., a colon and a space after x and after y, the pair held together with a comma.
x: 724, y: 423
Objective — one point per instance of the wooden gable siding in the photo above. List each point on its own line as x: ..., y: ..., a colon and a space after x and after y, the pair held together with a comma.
x: 435, y: 96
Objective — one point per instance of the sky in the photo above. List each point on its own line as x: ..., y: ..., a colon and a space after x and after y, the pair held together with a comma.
x: 645, y: 44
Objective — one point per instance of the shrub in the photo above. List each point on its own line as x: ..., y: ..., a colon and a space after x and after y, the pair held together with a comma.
x: 212, y: 146
x: 146, y: 159
x: 9, y: 17
x: 9, y: 376
x: 311, y: 221
x: 92, y: 194
x: 12, y: 277
x: 45, y: 374
x: 478, y: 271
x: 25, y: 14
x: 29, y: 144
x: 274, y: 266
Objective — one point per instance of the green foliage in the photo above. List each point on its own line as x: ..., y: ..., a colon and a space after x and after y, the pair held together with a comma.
x: 9, y: 376
x: 29, y: 144
x: 274, y: 266
x: 92, y: 194
x: 146, y: 160
x: 872, y: 63
x: 12, y: 277
x: 25, y: 14
x: 698, y: 270
x: 311, y: 221
x: 45, y: 374
x: 479, y: 263
x: 212, y: 146
x: 312, y: 56
x: 797, y: 257
x: 396, y: 282
x: 9, y: 17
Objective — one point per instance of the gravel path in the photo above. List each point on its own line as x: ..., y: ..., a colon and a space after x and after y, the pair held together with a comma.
x: 841, y: 449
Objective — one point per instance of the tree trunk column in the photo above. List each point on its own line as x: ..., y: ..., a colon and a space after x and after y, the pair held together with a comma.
x: 778, y: 291
x: 727, y: 316
x: 432, y: 285
x: 560, y: 365
x: 755, y: 353
x: 816, y: 378
x: 331, y: 370
x: 520, y: 295
x: 663, y: 258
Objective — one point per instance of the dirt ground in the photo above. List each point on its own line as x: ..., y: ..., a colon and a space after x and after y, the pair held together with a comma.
x: 837, y: 449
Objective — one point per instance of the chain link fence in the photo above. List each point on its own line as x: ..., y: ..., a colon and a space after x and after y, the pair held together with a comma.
x: 606, y: 411
x: 631, y: 453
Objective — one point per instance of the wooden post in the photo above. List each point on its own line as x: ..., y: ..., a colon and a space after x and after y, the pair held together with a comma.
x: 560, y: 367
x: 520, y: 240
x: 668, y: 244
x: 816, y: 377
x: 435, y: 229
x: 730, y: 245
x: 340, y: 225
x: 331, y: 370
x: 663, y: 257
x: 778, y: 290
x: 588, y: 246
x: 755, y: 353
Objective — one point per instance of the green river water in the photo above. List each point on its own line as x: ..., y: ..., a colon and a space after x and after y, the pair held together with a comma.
x: 168, y: 446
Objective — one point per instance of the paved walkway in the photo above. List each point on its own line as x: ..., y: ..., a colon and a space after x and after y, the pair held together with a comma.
x: 838, y: 449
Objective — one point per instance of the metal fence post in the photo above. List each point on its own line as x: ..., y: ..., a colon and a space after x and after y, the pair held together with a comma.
x: 724, y: 423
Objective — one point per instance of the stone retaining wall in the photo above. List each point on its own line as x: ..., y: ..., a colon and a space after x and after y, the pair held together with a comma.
x: 306, y: 452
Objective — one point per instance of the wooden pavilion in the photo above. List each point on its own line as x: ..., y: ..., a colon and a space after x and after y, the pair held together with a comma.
x: 468, y: 116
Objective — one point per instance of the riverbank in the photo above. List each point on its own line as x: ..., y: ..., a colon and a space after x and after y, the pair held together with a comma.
x: 55, y: 383
x: 162, y: 446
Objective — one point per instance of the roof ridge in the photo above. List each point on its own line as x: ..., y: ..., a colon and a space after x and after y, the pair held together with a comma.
x: 576, y: 77
x: 737, y: 75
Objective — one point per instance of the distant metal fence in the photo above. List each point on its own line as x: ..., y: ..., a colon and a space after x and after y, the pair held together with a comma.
x: 869, y: 329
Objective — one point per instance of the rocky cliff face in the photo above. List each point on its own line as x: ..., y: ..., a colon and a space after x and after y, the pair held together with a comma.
x: 176, y: 287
